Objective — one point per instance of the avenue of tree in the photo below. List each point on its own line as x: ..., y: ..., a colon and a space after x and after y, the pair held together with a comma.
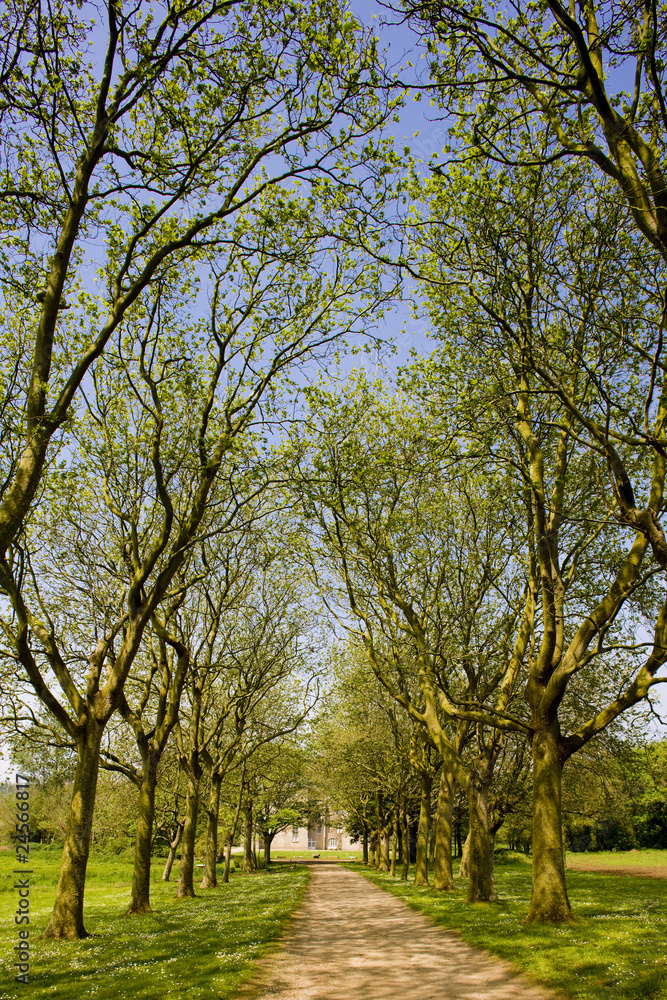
x: 246, y: 578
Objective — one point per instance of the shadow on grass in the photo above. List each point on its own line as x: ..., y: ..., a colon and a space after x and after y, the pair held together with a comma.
x: 190, y: 949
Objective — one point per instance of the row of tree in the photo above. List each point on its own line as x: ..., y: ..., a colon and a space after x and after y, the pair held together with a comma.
x: 177, y: 189
x: 486, y: 524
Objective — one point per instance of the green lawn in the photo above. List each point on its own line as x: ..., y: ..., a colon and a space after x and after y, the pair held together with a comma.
x: 644, y: 858
x: 196, y: 949
x: 616, y: 949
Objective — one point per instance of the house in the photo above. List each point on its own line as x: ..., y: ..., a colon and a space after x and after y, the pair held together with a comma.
x: 323, y: 835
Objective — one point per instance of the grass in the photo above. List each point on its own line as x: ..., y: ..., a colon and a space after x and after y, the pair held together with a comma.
x: 644, y: 858
x: 614, y: 950
x: 187, y: 949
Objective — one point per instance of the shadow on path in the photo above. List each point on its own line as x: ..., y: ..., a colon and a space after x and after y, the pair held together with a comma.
x: 352, y: 941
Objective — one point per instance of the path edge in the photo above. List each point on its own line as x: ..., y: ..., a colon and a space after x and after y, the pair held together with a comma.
x: 549, y: 992
x: 247, y: 989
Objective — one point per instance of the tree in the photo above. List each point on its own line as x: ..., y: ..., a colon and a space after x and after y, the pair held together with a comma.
x: 361, y: 762
x: 279, y: 780
x: 154, y: 711
x: 151, y: 146
x: 426, y: 561
x: 241, y: 658
x: 536, y: 296
x: 507, y: 71
x: 503, y: 75
x: 163, y: 434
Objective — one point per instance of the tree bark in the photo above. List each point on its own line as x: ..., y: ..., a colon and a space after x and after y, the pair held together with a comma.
x: 173, y: 847
x: 247, y: 840
x: 549, y: 902
x: 395, y: 838
x: 431, y: 843
x: 232, y: 834
x: 67, y: 916
x: 464, y: 869
x: 443, y: 879
x: 421, y: 862
x: 268, y: 840
x: 480, y: 860
x: 210, y: 879
x: 405, y: 843
x: 364, y: 844
x: 141, y: 875
x: 186, y: 888
x: 373, y: 844
x: 383, y: 835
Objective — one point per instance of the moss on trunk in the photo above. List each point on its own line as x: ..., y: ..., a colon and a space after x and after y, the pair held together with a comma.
x: 210, y: 879
x: 405, y: 843
x: 67, y: 916
x: 480, y: 859
x: 421, y: 862
x: 549, y: 902
x: 443, y: 878
x: 141, y: 875
x: 186, y: 887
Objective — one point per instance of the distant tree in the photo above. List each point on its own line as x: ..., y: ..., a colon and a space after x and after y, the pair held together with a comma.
x: 279, y: 772
x: 423, y: 553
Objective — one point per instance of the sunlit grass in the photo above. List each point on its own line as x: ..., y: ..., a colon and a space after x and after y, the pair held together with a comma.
x: 191, y: 949
x: 643, y: 858
x: 616, y: 948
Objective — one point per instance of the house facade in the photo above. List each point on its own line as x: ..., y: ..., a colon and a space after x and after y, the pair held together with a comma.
x: 324, y: 835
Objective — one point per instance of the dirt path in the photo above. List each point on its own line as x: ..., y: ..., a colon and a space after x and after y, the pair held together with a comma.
x: 352, y: 941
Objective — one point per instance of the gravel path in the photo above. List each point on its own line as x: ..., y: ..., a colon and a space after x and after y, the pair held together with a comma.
x: 352, y: 941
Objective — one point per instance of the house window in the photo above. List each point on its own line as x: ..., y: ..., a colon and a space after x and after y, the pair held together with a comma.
x: 333, y: 843
x: 339, y: 829
x: 311, y: 843
x: 295, y: 834
x: 319, y: 829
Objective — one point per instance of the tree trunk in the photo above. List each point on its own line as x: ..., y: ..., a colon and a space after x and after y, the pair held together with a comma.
x: 457, y: 838
x: 268, y: 840
x: 394, y: 853
x: 385, y: 860
x: 186, y: 888
x: 247, y: 840
x: 443, y: 878
x: 405, y: 843
x: 67, y: 916
x: 232, y: 835
x: 480, y: 862
x: 373, y: 842
x: 464, y: 869
x: 431, y: 843
x: 210, y: 879
x: 365, y: 846
x: 141, y: 875
x: 549, y: 902
x: 173, y: 847
x: 421, y: 862
x: 383, y: 835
